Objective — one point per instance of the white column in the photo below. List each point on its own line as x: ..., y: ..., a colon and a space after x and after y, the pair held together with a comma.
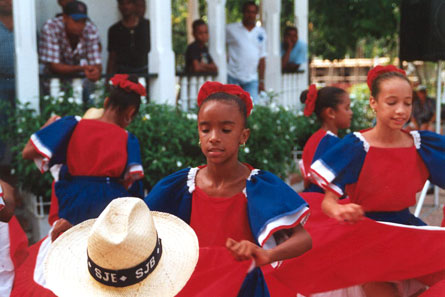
x: 271, y: 18
x: 193, y: 14
x: 161, y: 56
x: 217, y: 36
x: 301, y: 22
x: 26, y: 58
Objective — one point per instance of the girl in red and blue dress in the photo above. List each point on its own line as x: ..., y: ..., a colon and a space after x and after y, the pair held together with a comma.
x: 251, y: 212
x: 13, y: 241
x: 99, y: 161
x: 332, y: 107
x: 381, y: 169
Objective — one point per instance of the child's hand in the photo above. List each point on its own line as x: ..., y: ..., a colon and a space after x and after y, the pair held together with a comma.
x: 350, y: 212
x: 246, y: 250
x: 60, y: 226
x: 51, y: 120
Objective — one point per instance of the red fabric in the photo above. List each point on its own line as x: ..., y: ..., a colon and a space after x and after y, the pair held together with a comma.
x: 24, y: 284
x: 437, y: 290
x: 216, y: 274
x: 121, y: 81
x: 97, y: 148
x: 398, y: 173
x: 310, y: 100
x: 18, y: 242
x: 212, y: 87
x: 309, y: 150
x: 215, y: 219
x: 379, y: 69
x: 54, y: 206
x: 348, y: 254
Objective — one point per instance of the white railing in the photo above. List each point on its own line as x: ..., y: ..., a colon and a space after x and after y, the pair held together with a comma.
x: 77, y: 84
x: 188, y: 88
x: 292, y: 84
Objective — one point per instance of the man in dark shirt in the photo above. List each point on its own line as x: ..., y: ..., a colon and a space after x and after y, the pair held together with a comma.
x: 128, y: 41
x: 197, y: 56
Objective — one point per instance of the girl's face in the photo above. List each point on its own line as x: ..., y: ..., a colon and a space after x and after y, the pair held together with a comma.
x: 343, y: 112
x: 221, y: 131
x: 393, y: 104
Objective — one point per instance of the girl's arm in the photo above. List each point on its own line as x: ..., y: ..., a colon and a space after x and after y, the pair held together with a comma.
x: 298, y: 243
x: 29, y: 151
x: 350, y: 212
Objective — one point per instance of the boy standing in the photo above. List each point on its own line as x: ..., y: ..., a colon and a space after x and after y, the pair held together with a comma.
x: 197, y: 56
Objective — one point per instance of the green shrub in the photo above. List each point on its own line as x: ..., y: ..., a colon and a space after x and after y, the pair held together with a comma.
x: 168, y: 138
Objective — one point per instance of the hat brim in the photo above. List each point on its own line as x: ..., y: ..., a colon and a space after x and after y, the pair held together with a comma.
x: 67, y: 274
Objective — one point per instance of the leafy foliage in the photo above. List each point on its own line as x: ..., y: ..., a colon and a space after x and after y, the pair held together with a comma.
x: 336, y: 27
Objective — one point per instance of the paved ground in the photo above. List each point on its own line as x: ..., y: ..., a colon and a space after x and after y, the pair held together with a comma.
x: 431, y: 214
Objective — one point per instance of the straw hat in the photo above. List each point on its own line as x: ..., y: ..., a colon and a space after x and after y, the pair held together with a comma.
x: 93, y: 113
x: 132, y: 251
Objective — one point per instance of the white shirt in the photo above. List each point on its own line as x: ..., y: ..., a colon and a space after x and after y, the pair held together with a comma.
x: 6, y: 265
x: 245, y: 49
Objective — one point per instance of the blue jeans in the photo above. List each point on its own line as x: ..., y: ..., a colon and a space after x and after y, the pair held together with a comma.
x: 251, y: 87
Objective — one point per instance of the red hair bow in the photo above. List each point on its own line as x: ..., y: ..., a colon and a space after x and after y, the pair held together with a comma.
x: 121, y: 81
x: 379, y: 70
x: 311, y: 98
x: 212, y: 87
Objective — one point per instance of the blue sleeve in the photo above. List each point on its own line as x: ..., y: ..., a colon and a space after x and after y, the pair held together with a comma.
x: 52, y: 141
x: 326, y: 143
x: 272, y: 205
x: 172, y: 195
x: 134, y: 161
x: 432, y: 151
x: 341, y: 165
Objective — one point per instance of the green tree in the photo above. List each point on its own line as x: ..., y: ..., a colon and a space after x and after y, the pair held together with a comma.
x: 336, y: 28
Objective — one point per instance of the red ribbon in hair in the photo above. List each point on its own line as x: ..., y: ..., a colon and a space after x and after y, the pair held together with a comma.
x: 379, y: 70
x: 121, y: 81
x: 212, y: 87
x: 311, y: 98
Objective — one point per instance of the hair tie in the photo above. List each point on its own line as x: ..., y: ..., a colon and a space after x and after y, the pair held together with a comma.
x: 121, y: 81
x: 379, y: 70
x: 212, y: 87
x: 311, y: 98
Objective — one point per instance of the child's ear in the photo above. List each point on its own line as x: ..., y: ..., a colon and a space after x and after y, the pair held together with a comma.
x: 329, y: 113
x: 373, y: 103
x: 130, y: 112
x: 106, y: 102
x: 245, y: 135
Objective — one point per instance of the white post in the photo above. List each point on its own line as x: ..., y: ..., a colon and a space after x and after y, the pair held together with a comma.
x: 301, y: 22
x: 438, y: 118
x: 193, y: 14
x: 26, y: 58
x: 161, y: 56
x: 271, y: 17
x: 217, y: 36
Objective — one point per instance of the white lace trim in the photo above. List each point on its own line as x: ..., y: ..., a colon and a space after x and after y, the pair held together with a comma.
x: 252, y: 173
x: 191, y: 179
x: 362, y: 139
x: 416, y: 138
x: 331, y: 133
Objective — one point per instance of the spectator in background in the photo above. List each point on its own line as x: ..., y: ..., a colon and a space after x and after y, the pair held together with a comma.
x: 7, y: 53
x: 197, y: 56
x: 293, y: 50
x: 246, y: 45
x: 70, y: 44
x: 7, y: 71
x: 128, y: 41
x: 423, y: 115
